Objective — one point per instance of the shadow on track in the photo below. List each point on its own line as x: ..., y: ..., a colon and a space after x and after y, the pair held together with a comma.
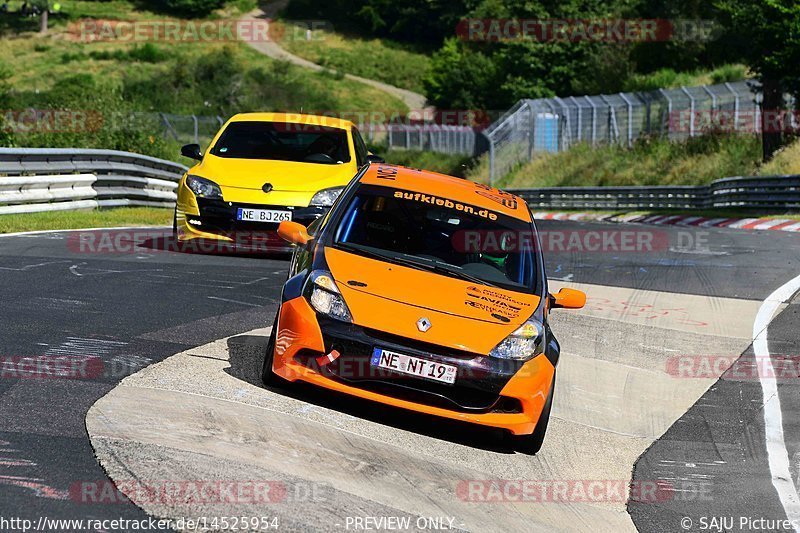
x: 246, y: 353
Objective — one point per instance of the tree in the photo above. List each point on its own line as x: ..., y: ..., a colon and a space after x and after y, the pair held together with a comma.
x: 43, y: 7
x: 770, y: 33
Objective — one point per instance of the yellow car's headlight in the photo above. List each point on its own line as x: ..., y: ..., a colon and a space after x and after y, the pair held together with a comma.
x: 203, y: 187
x: 326, y: 197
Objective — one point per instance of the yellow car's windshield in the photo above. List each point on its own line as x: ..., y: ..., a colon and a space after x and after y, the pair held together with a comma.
x: 307, y: 143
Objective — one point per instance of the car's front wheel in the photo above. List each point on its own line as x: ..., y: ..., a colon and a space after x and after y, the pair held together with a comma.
x: 268, y: 377
x: 531, y: 444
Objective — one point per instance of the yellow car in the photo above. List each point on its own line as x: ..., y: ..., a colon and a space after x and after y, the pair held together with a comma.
x: 262, y: 169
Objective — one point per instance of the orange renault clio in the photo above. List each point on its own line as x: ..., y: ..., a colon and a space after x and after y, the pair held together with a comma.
x: 424, y: 292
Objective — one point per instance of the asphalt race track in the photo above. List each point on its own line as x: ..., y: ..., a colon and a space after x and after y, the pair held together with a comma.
x: 639, y: 392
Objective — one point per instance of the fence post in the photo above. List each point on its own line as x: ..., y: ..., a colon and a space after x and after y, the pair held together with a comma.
x: 196, y: 129
x: 669, y: 110
x: 691, y: 110
x: 759, y: 98
x: 491, y: 158
x: 612, y: 119
x: 713, y: 97
x: 594, y: 120
x: 630, y: 118
x: 567, y: 129
x: 168, y: 126
x: 578, y: 124
x: 735, y: 106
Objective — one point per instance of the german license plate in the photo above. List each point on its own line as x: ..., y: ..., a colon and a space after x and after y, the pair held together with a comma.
x: 413, y: 366
x: 262, y: 215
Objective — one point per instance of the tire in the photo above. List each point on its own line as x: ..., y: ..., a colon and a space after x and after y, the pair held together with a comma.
x: 268, y: 377
x: 175, y: 224
x: 531, y: 444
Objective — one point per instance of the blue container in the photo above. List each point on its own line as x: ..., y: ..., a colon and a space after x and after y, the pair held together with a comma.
x: 545, y: 136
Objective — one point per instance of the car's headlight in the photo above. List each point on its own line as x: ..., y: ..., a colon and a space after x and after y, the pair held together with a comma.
x: 202, y: 187
x: 523, y: 344
x: 326, y: 197
x: 326, y: 298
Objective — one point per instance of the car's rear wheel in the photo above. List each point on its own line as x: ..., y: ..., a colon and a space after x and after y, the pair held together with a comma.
x: 268, y: 377
x: 175, y: 224
x: 531, y: 444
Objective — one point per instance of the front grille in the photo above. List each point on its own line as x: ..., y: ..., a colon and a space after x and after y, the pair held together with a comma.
x: 477, y: 387
x: 220, y: 216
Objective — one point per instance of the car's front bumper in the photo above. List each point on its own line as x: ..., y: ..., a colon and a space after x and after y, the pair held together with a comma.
x: 491, y: 392
x: 216, y: 220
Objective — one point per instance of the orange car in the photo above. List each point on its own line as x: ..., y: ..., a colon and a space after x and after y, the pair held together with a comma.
x: 424, y: 292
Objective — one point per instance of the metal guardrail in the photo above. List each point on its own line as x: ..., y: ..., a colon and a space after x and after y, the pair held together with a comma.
x: 769, y: 193
x: 54, y: 179
x: 41, y: 179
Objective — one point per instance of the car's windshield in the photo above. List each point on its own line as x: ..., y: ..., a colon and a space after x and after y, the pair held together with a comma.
x: 281, y: 141
x: 438, y: 234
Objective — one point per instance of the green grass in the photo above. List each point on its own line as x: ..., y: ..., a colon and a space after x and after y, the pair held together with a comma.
x: 649, y: 162
x: 99, y: 218
x: 452, y: 165
x: 667, y: 78
x: 376, y: 59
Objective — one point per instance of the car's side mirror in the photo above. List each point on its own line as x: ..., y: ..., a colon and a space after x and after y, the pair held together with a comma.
x: 293, y: 233
x: 569, y: 299
x: 372, y: 158
x: 192, y: 151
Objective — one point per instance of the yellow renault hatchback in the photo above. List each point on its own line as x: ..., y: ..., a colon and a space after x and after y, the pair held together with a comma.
x: 262, y: 169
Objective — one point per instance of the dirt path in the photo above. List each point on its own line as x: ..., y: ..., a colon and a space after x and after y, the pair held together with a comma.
x: 414, y: 101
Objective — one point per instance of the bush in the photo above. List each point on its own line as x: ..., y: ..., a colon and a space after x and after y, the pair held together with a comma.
x: 728, y: 73
x: 147, y: 53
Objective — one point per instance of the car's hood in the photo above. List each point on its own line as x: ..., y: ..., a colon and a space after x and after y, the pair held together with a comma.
x: 283, y: 175
x: 393, y: 298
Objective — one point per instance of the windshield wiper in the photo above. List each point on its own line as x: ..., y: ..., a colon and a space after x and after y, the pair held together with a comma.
x: 447, y: 269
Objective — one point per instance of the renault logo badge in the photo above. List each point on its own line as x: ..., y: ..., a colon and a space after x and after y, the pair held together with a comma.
x: 423, y: 324
x: 267, y: 187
